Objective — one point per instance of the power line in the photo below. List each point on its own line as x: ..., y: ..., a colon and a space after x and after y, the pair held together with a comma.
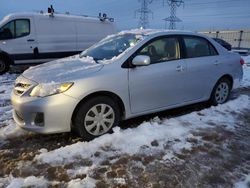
x: 144, y: 12
x: 172, y: 19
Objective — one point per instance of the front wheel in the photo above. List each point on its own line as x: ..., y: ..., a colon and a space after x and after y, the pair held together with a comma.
x: 221, y: 92
x: 96, y: 117
x: 4, y: 65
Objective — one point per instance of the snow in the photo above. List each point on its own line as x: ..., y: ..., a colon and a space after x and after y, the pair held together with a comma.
x: 246, y: 59
x: 62, y: 70
x: 30, y: 181
x: 10, y: 131
x: 246, y: 76
x: 243, y: 184
x: 168, y: 130
x: 78, y: 183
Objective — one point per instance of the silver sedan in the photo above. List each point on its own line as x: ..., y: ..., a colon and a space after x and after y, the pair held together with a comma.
x: 123, y: 76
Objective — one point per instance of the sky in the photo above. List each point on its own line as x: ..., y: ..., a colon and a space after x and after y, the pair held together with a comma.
x: 196, y: 15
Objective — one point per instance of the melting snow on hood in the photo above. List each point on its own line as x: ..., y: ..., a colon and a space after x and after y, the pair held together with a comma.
x: 61, y: 70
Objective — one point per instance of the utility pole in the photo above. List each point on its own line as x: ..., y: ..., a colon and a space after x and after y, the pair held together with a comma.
x: 144, y: 12
x: 172, y: 19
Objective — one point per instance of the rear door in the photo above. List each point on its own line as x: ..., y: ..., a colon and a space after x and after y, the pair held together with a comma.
x: 159, y: 84
x: 203, y: 67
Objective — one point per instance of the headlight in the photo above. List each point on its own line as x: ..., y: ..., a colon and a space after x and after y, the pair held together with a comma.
x: 43, y: 90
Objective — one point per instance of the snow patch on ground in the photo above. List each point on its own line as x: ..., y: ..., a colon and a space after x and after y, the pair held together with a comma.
x: 246, y: 59
x: 30, y: 181
x: 78, y: 183
x: 246, y: 76
x: 8, y: 128
x: 130, y: 141
x: 243, y: 184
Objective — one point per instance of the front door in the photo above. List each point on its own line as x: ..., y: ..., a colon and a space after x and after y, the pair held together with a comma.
x: 17, y: 38
x: 161, y: 83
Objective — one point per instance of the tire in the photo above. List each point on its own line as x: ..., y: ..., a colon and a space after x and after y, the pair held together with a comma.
x: 96, y: 117
x: 4, y: 65
x: 221, y: 92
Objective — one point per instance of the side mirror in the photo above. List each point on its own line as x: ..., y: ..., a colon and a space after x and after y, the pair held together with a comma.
x: 141, y: 60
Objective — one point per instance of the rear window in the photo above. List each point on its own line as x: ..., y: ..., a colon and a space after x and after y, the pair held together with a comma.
x: 198, y: 47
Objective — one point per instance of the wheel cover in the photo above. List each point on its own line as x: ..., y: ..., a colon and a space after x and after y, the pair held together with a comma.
x: 221, y: 92
x: 99, y: 119
x: 2, y: 66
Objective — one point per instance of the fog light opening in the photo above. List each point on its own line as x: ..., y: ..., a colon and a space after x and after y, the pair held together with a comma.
x: 39, y: 119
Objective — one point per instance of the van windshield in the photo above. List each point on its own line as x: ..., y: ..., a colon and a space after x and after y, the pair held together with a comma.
x: 111, y: 47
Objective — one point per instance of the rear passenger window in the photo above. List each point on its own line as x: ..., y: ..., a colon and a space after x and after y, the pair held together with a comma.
x: 198, y: 47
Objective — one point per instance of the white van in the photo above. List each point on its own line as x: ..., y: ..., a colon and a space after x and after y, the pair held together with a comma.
x: 42, y: 37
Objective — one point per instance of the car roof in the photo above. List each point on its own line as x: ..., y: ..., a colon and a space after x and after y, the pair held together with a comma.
x: 160, y: 32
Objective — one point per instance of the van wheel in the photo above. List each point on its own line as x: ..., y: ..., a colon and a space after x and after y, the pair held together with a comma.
x: 4, y: 65
x: 96, y: 117
x: 221, y: 92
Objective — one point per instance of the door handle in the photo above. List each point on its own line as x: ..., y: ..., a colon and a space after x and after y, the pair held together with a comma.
x: 30, y: 40
x: 216, y: 62
x: 179, y: 68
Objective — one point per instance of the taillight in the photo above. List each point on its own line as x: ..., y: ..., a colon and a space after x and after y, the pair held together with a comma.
x: 242, y: 62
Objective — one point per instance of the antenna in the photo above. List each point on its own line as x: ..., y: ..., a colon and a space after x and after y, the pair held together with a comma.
x: 172, y: 19
x: 143, y: 12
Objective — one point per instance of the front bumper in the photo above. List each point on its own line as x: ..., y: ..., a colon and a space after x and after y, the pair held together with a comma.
x: 54, y: 112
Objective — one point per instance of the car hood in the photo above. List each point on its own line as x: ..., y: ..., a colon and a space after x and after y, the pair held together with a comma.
x: 63, y: 70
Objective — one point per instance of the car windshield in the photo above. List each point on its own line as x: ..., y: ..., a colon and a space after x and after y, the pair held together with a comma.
x: 111, y: 47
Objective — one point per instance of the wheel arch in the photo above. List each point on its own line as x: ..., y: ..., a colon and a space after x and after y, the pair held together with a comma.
x: 226, y: 76
x: 109, y: 94
x: 7, y: 57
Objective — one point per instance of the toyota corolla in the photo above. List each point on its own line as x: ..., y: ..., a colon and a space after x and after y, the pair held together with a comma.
x: 125, y: 75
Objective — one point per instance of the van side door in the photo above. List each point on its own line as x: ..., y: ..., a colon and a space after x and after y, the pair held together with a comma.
x: 18, y: 39
x: 56, y: 37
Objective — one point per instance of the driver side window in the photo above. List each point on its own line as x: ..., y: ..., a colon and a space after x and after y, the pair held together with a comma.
x: 15, y: 29
x: 161, y: 50
x: 8, y: 31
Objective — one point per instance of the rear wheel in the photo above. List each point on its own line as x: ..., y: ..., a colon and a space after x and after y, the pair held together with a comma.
x: 221, y: 92
x: 96, y: 117
x: 4, y: 65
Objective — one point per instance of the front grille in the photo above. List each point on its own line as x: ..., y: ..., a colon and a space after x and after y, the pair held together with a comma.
x: 21, y: 88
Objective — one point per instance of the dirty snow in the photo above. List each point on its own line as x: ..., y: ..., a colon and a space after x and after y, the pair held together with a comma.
x: 169, y: 129
x: 30, y: 181
x: 244, y: 183
x: 79, y: 183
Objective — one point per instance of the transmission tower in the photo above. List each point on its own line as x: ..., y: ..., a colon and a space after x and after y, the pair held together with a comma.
x: 144, y: 12
x: 172, y: 19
